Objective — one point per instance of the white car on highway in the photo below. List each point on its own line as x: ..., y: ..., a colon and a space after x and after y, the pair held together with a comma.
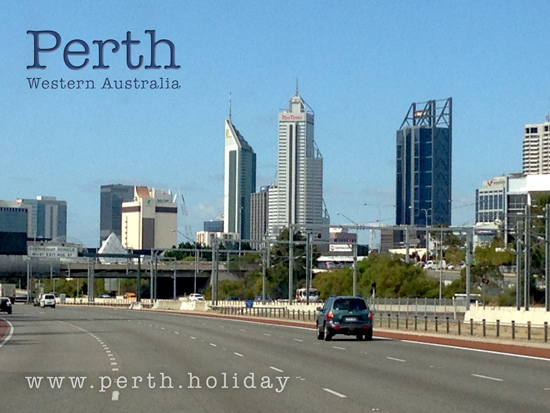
x: 196, y: 297
x: 47, y: 300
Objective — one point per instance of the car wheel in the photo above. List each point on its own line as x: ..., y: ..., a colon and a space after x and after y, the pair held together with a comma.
x: 368, y: 336
x: 53, y: 306
x: 320, y: 333
x: 9, y: 311
x: 360, y: 337
x: 328, y: 336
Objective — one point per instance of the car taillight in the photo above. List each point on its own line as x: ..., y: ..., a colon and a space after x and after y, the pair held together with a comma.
x: 371, y: 316
x: 330, y: 316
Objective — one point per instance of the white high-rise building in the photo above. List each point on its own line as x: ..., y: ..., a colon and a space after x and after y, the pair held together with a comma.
x: 239, y: 182
x: 536, y: 148
x: 297, y: 198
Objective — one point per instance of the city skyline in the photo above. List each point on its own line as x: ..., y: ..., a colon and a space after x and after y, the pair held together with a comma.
x: 68, y: 143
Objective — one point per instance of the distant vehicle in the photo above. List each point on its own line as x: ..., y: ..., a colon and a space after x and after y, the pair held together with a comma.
x: 6, y: 305
x: 8, y: 290
x: 232, y: 298
x: 130, y: 296
x: 196, y: 297
x: 301, y: 295
x: 36, y: 301
x: 47, y: 300
x: 474, y: 299
x: 344, y: 315
x: 105, y: 295
x: 259, y: 298
x: 23, y: 298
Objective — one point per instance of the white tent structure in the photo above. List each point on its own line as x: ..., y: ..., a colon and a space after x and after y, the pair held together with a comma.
x: 112, y: 245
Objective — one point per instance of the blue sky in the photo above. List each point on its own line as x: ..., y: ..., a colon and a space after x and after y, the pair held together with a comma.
x: 360, y: 65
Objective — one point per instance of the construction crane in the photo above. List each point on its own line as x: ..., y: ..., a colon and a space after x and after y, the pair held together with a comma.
x: 186, y: 227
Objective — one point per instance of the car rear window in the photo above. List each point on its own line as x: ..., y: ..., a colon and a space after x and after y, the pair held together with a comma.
x: 49, y: 297
x: 349, y: 304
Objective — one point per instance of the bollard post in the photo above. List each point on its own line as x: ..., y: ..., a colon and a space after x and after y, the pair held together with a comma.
x: 471, y: 326
x: 484, y: 328
x: 458, y: 324
x: 546, y: 331
x: 447, y: 325
x: 298, y: 314
x: 425, y: 323
x: 436, y: 325
x: 380, y: 320
x: 513, y: 330
x: 498, y: 328
x: 415, y: 323
x: 389, y: 320
x: 528, y: 330
x: 406, y: 322
x: 397, y: 319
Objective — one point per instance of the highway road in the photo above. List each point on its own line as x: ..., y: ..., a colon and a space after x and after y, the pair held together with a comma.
x: 123, y: 356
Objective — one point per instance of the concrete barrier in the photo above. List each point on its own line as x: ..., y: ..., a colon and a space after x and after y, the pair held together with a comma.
x: 167, y: 305
x: 535, y: 315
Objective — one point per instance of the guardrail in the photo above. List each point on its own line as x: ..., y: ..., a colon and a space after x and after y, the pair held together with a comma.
x: 426, y: 324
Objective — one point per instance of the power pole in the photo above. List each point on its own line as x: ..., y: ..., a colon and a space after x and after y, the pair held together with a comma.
x: 518, y: 266
x: 354, y: 246
x: 527, y: 280
x: 547, y: 257
x: 290, y: 263
x: 468, y: 263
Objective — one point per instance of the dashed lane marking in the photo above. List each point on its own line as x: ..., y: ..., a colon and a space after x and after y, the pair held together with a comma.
x: 335, y: 393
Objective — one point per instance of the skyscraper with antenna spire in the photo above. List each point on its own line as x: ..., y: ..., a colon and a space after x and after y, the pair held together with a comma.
x: 297, y: 197
x: 239, y: 180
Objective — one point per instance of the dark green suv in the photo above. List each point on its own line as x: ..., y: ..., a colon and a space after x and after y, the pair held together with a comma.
x: 344, y: 315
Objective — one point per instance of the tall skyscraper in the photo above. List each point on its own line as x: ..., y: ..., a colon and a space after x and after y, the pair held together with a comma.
x: 297, y: 198
x: 536, y: 148
x: 259, y: 212
x: 239, y: 181
x: 112, y: 197
x: 424, y: 164
x: 48, y: 217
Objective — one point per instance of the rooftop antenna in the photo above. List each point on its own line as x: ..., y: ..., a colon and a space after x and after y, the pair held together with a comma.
x: 229, y: 105
x: 297, y: 94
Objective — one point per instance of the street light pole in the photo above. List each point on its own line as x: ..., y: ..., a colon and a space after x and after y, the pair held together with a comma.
x: 427, y: 234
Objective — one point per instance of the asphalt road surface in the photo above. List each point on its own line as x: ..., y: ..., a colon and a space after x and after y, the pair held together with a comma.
x: 143, y: 362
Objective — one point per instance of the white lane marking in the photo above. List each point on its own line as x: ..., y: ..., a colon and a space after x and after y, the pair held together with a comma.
x: 547, y: 388
x: 238, y: 354
x: 222, y: 326
x: 112, y: 359
x: 9, y: 334
x: 162, y: 328
x: 486, y: 377
x: 115, y: 396
x: 394, y: 359
x: 297, y: 339
x: 113, y: 364
x: 335, y: 393
x: 268, y: 335
x: 276, y: 369
x: 312, y: 328
x: 338, y: 348
x: 498, y: 353
x: 114, y: 369
x: 175, y: 332
x: 241, y: 329
x: 212, y: 344
x: 192, y: 338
